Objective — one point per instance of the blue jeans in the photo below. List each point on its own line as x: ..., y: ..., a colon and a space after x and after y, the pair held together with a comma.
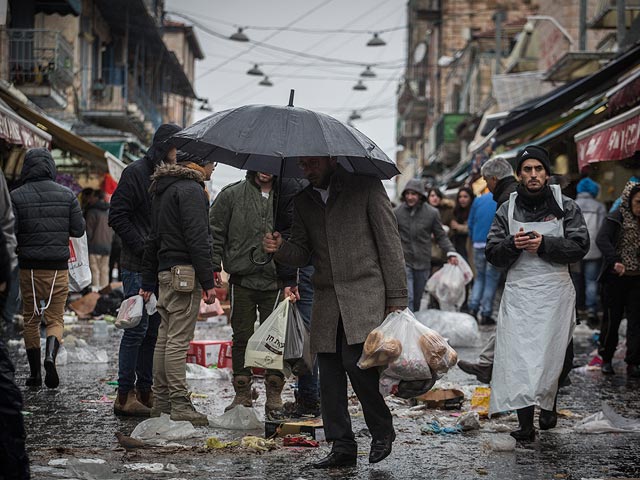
x: 591, y: 270
x: 484, y: 285
x: 135, y: 359
x: 308, y: 385
x: 416, y: 281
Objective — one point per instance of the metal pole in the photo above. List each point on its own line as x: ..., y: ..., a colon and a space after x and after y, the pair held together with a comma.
x: 582, y: 42
x: 620, y: 7
x: 498, y: 18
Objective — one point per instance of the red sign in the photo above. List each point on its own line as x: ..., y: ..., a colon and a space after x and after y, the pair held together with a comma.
x: 617, y: 142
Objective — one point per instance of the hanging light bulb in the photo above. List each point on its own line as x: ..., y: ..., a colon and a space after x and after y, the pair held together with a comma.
x: 354, y: 116
x: 265, y: 82
x: 368, y: 73
x: 239, y: 36
x: 359, y: 86
x: 376, y: 41
x: 255, y: 71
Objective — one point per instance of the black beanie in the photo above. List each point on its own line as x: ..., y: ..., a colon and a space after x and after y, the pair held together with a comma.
x: 535, y: 152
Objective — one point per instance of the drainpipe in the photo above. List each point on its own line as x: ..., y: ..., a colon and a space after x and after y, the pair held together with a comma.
x: 621, y: 24
x: 582, y: 45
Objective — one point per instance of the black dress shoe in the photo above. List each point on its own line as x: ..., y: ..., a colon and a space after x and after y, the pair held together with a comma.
x: 336, y: 459
x: 548, y: 419
x: 380, y: 449
x: 524, y: 435
x: 482, y: 372
x: 607, y: 368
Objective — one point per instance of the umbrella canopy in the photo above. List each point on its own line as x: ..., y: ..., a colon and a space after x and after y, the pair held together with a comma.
x: 271, y: 139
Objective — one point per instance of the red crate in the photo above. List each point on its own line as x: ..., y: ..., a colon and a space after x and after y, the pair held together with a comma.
x: 210, y: 352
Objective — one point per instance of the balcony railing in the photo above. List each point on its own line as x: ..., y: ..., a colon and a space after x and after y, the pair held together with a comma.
x: 39, y: 57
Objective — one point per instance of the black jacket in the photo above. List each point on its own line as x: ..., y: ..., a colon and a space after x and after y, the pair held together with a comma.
x: 47, y: 214
x: 130, y: 212
x: 180, y: 232
x: 505, y: 187
x: 607, y: 241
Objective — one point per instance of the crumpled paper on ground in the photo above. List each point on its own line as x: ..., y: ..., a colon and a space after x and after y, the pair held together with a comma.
x: 238, y: 418
x: 162, y: 429
x: 607, y: 420
x: 258, y: 444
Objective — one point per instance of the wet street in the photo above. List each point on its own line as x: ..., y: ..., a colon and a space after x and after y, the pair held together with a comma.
x: 71, y: 430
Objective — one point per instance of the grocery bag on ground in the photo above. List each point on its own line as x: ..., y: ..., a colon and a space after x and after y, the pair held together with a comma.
x: 296, y: 351
x: 130, y: 312
x: 460, y: 329
x: 265, y: 348
x: 448, y: 284
x: 79, y: 269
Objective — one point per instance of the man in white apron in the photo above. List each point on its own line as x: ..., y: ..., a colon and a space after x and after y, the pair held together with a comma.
x: 535, y: 236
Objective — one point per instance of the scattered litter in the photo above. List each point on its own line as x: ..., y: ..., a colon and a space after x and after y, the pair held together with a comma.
x: 145, y: 467
x: 198, y: 372
x: 103, y: 399
x: 26, y: 414
x: 162, y: 429
x: 607, y: 420
x: 258, y: 444
x: 62, y: 462
x: 469, y: 421
x: 238, y: 418
x: 434, y: 427
x: 16, y: 343
x: 500, y: 443
x: 299, y: 441
x: 216, y: 443
x: 567, y: 413
x: 586, y: 368
x: 199, y: 395
x: 86, y: 354
x: 496, y: 428
x: 480, y: 401
x: 447, y: 399
x: 113, y: 383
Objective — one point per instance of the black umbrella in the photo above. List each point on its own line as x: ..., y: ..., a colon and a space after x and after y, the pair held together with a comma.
x: 271, y: 139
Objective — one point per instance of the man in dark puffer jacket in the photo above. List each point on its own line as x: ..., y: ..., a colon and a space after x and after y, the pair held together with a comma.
x: 46, y: 215
x: 130, y: 217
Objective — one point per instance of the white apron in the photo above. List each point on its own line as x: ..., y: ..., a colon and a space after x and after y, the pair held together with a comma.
x: 535, y: 324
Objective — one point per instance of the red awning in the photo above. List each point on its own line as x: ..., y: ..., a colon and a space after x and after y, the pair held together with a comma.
x: 14, y: 129
x: 615, y: 139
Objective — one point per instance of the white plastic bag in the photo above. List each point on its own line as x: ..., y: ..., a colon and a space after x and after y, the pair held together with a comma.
x: 79, y: 269
x: 162, y: 429
x: 448, y: 284
x: 607, y: 421
x: 460, y: 329
x: 238, y: 418
x: 130, y: 312
x: 265, y: 348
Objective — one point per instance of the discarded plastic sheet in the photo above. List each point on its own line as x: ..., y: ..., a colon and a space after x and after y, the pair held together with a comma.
x: 198, y: 372
x: 500, y: 443
x: 460, y: 329
x: 238, y: 418
x: 86, y: 355
x: 608, y: 421
x: 469, y: 421
x: 216, y: 443
x: 258, y: 444
x: 161, y: 429
x: 151, y: 467
x: 62, y: 462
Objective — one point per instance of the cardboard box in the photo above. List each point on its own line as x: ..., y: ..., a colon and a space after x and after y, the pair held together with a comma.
x: 448, y: 399
x: 312, y: 427
x: 210, y: 352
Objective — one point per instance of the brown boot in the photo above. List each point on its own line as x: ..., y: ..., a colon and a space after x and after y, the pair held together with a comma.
x: 145, y: 398
x: 127, y: 405
x: 242, y: 386
x: 273, y: 407
x: 183, y: 410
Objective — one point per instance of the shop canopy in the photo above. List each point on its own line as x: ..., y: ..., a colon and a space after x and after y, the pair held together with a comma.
x: 615, y: 139
x: 16, y: 130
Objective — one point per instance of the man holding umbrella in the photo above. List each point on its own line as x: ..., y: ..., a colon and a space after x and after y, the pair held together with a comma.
x: 345, y: 224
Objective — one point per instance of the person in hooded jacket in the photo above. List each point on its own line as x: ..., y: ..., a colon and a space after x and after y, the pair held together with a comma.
x: 417, y: 222
x: 99, y: 239
x: 130, y: 218
x: 47, y: 214
x: 177, y: 257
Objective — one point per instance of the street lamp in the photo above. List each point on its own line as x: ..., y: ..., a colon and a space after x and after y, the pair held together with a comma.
x: 239, y: 36
x: 266, y: 82
x: 360, y: 86
x: 255, y: 71
x: 376, y: 41
x: 368, y: 73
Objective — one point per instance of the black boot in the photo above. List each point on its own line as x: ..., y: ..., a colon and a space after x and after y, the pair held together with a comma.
x: 35, y: 379
x: 51, y: 379
x: 526, y: 432
x: 549, y: 418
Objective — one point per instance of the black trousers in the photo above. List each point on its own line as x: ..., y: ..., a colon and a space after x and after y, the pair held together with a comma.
x: 334, y: 369
x: 620, y: 295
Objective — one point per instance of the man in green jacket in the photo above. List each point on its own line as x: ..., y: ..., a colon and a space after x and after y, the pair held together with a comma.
x: 239, y: 217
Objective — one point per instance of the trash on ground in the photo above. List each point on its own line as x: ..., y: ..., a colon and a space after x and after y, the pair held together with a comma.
x: 258, y: 444
x: 480, y: 401
x: 299, y: 441
x: 199, y: 395
x: 210, y: 353
x: 607, y: 420
x: 162, y: 429
x: 238, y: 418
x: 85, y: 304
x: 103, y: 399
x: 62, y: 462
x: 151, y: 467
x: 198, y: 372
x: 312, y: 427
x: 435, y: 427
x: 500, y: 443
x: 469, y: 421
x: 86, y: 354
x: 447, y: 399
x: 216, y: 443
x: 460, y: 329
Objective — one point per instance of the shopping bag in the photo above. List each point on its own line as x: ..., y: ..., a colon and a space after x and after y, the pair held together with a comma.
x: 448, y: 284
x: 297, y: 353
x: 130, y: 312
x: 79, y: 270
x: 265, y: 348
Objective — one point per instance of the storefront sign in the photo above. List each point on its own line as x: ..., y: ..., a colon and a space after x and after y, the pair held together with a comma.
x: 615, y: 139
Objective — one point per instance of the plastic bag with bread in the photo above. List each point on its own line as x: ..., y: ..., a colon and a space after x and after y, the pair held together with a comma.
x: 379, y: 349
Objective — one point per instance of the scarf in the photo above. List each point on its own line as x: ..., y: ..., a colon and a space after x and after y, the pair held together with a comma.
x: 198, y: 168
x: 628, y: 247
x: 543, y: 196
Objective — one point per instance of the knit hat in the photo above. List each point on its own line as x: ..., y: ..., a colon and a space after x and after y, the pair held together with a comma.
x: 589, y: 186
x: 414, y: 185
x: 535, y: 152
x: 184, y: 157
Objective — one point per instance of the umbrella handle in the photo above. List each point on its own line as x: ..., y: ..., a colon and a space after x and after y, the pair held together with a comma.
x: 260, y: 263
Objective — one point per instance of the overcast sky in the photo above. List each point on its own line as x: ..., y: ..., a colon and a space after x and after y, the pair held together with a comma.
x: 320, y: 85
